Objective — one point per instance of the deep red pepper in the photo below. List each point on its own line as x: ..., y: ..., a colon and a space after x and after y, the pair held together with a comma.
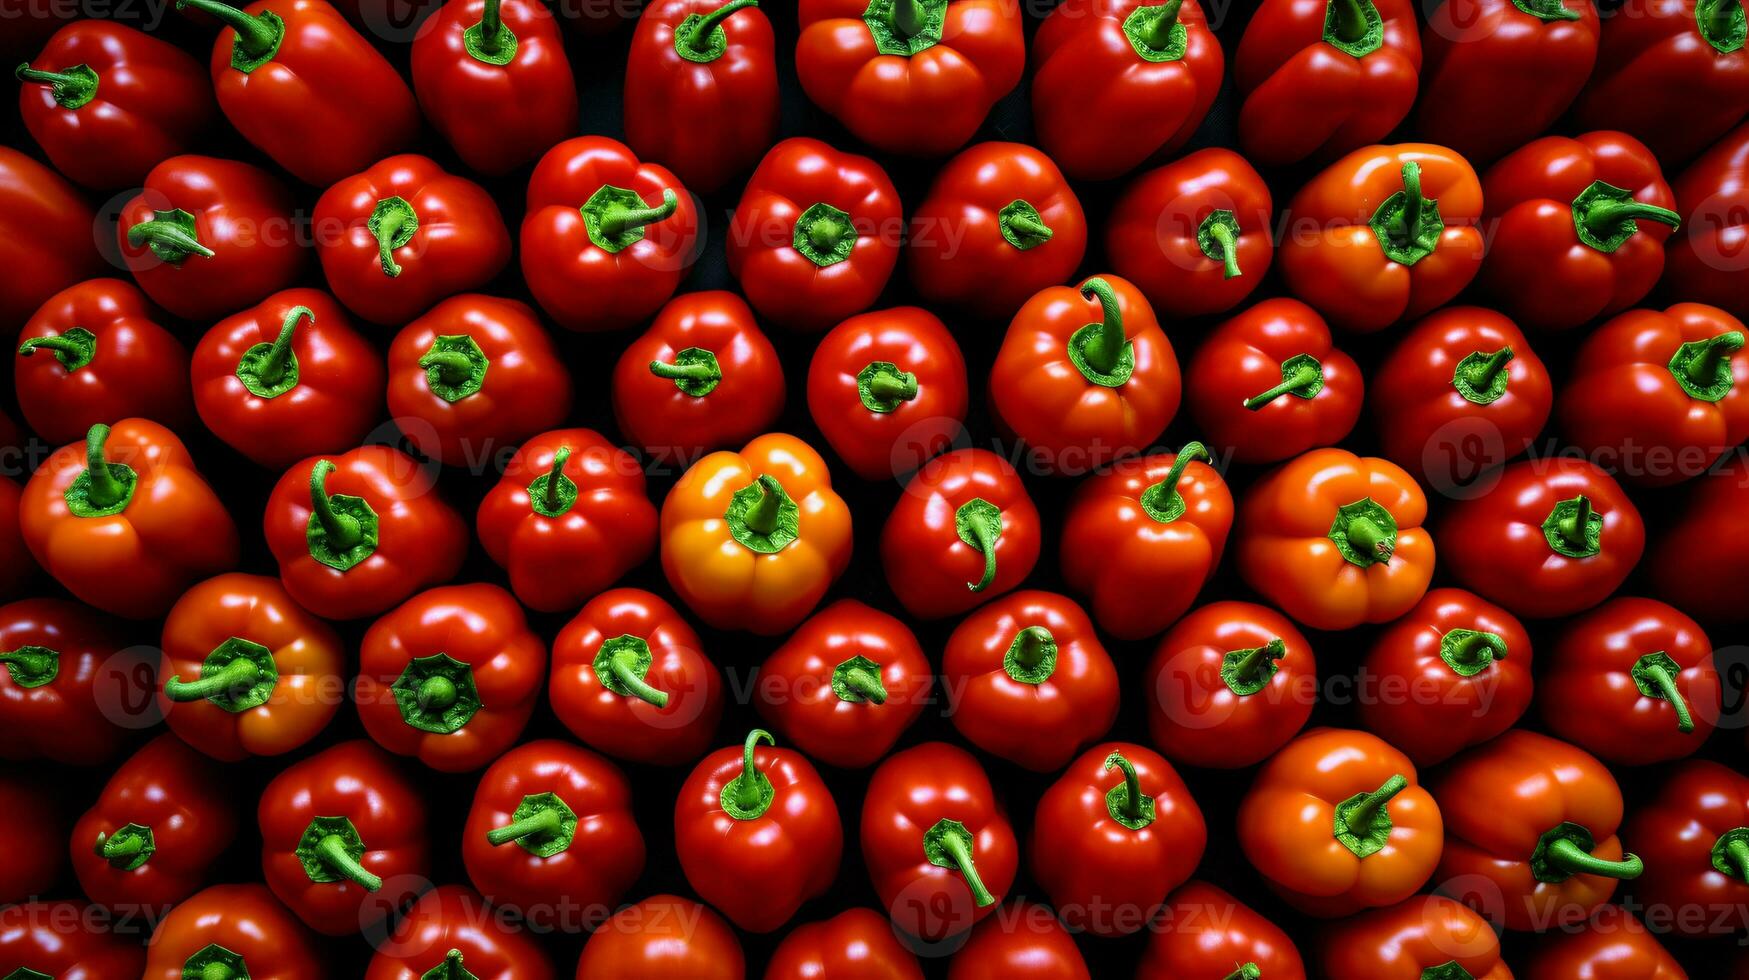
x: 309, y: 91
x: 334, y: 828
x: 93, y: 353
x: 963, y: 532
x: 288, y: 378
x: 857, y: 942
x: 233, y: 931
x: 1613, y: 943
x: 206, y: 237
x: 64, y: 679
x: 404, y: 234
x: 606, y: 238
x: 1694, y: 835
x: 1691, y: 562
x: 663, y: 936
x: 1022, y: 941
x: 1707, y: 260
x: 47, y: 237
x: 1204, y: 931
x: 551, y: 831
x: 701, y: 88
x: 905, y: 370
x: 17, y: 566
x: 450, y: 933
x: 1422, y: 938
x: 67, y: 939
x: 36, y: 831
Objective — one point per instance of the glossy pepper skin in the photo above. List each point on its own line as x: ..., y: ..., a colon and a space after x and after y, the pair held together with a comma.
x: 124, y: 520
x: 663, y: 937
x: 1112, y: 836
x: 492, y: 77
x: 568, y: 518
x: 1084, y: 376
x: 1027, y: 680
x: 358, y: 533
x: 704, y: 376
x: 207, y: 237
x: 815, y: 235
x: 752, y: 539
x: 1689, y: 563
x: 62, y: 939
x: 33, y: 823
x: 1022, y: 942
x: 1547, y: 538
x: 1000, y: 223
x: 1499, y: 73
x: 1232, y: 683
x: 107, y: 103
x: 334, y: 827
x: 288, y: 378
x: 1530, y: 831
x: 1194, y: 235
x: 606, y: 238
x: 857, y: 942
x: 630, y: 678
x: 398, y: 237
x: 1662, y: 395
x: 230, y: 930
x: 912, y: 77
x: 1694, y: 833
x: 963, y: 532
x: 1270, y: 384
x: 757, y: 833
x: 94, y: 353
x: 888, y: 390
x: 1386, y: 234
x: 46, y: 239
x: 701, y: 88
x: 936, y: 840
x: 1426, y: 936
x: 58, y: 656
x: 474, y: 375
x: 1387, y: 829
x: 155, y: 833
x: 1611, y: 944
x: 1143, y: 537
x: 845, y: 685
x: 1368, y: 508
x: 1454, y: 672
x: 1320, y: 79
x: 551, y: 823
x: 451, y: 934
x: 1205, y: 931
x: 1703, y: 261
x: 309, y: 91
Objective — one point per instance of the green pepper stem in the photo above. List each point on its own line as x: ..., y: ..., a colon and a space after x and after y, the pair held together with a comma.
x: 236, y: 675
x: 120, y: 851
x: 491, y: 28
x: 1702, y: 366
x: 888, y: 387
x: 1132, y: 783
x: 74, y: 87
x: 1255, y: 659
x: 1223, y: 236
x: 1302, y: 375
x: 1025, y: 227
x: 254, y: 34
x: 622, y: 666
x: 1666, y: 685
x: 1404, y: 228
x: 1605, y: 215
x: 166, y: 234
x: 1368, y: 538
x: 435, y: 694
x: 1573, y: 527
x: 746, y: 787
x: 824, y: 233
x: 701, y: 35
x: 1570, y: 857
x: 453, y: 367
x: 1167, y: 488
x: 866, y: 683
x: 332, y: 850
x: 542, y: 823
x: 1477, y: 649
x: 106, y: 490
x: 1716, y: 22
x: 1246, y: 971
x: 1738, y: 853
x: 617, y: 221
x: 960, y: 851
x: 272, y: 369
x: 1034, y: 643
x: 761, y: 517
x: 1360, y: 818
x: 1350, y: 20
x: 555, y: 476
x: 1481, y: 374
x: 343, y: 529
x: 695, y: 371
x: 1104, y: 348
x: 393, y: 220
x: 909, y: 17
x: 1157, y: 33
x: 987, y: 545
x: 54, y: 344
x: 26, y: 659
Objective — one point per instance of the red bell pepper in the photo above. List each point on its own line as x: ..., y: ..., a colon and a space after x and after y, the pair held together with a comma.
x: 1204, y: 931
x: 606, y: 238
x: 246, y: 671
x: 450, y: 676
x: 1428, y: 936
x: 1674, y: 74
x: 334, y: 827
x: 568, y: 518
x: 450, y: 933
x: 1547, y: 538
x: 663, y: 936
x: 857, y: 942
x: 161, y: 824
x: 1194, y: 235
x: 1660, y: 395
x: 64, y: 684
x: 404, y: 234
x: 124, y: 520
x: 492, y: 77
x: 324, y: 105
x: 105, y: 358
x: 703, y: 377
x: 1084, y: 376
x: 1452, y: 673
x: 1691, y: 563
x: 36, y: 832
x: 630, y: 678
x: 845, y: 685
x: 1233, y: 682
x: 1530, y: 832
x: 936, y: 841
x: 47, y: 237
x: 1144, y: 536
x: 910, y: 76
x: 905, y: 370
x: 551, y: 831
x: 1611, y: 944
x: 1027, y: 680
x: 757, y: 833
x: 1000, y: 223
x: 1337, y: 823
x: 1499, y: 73
x: 1321, y: 79
x: 963, y: 532
x: 107, y: 103
x: 816, y: 233
x: 1270, y: 384
x: 1386, y: 234
x: 1706, y: 261
x: 206, y: 237
x: 233, y: 931
x: 1694, y: 833
x: 1024, y: 941
x: 1112, y: 836
x: 287, y: 379
x: 358, y: 533
x: 66, y: 939
x: 17, y: 567
x: 701, y: 88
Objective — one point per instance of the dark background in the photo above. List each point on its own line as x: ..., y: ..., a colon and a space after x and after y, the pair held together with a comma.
x: 599, y: 64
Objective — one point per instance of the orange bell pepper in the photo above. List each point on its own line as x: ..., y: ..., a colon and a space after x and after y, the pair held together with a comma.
x: 752, y: 539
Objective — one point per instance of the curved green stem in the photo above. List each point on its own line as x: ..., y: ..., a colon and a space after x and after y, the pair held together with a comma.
x: 762, y: 516
x: 1157, y: 33
x: 121, y: 849
x: 1658, y: 675
x: 889, y: 387
x: 344, y: 530
x: 1131, y: 805
x: 866, y: 683
x: 624, y: 669
x: 707, y: 25
x: 696, y: 371
x: 555, y: 479
x: 541, y: 823
x: 67, y: 350
x: 332, y: 850
x: 236, y: 675
x: 1303, y: 374
x: 1703, y: 360
x: 617, y: 221
x: 1350, y: 20
x: 1364, y: 814
x: 750, y: 789
x: 72, y: 88
x: 1481, y: 374
x: 106, y: 488
x: 909, y: 17
x: 959, y: 850
x: 1104, y: 347
x: 272, y: 368
x: 491, y: 28
x: 255, y: 35
x: 1570, y: 857
x: 1573, y: 527
x: 1031, y: 645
